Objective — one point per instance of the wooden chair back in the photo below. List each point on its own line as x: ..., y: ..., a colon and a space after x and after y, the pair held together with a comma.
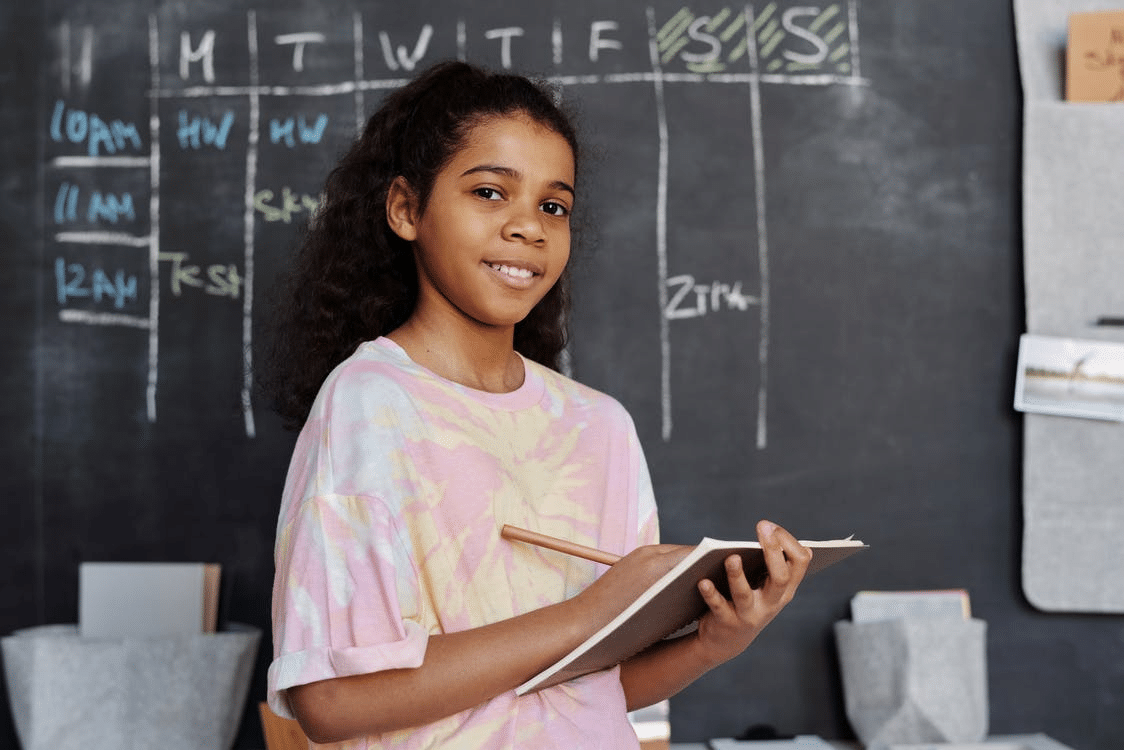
x: 281, y: 733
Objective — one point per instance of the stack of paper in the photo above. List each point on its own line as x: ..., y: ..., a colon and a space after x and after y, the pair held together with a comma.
x: 874, y: 606
x: 138, y: 600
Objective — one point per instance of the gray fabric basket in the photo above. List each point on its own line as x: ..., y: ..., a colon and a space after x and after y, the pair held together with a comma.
x: 179, y: 693
x: 912, y: 681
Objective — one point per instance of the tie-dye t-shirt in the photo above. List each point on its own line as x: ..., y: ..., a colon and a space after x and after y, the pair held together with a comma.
x: 390, y: 531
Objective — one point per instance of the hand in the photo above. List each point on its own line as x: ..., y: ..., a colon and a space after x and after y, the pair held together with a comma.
x: 630, y: 576
x: 732, y: 624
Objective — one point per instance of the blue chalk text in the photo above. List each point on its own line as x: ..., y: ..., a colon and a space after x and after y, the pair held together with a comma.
x: 75, y: 281
x: 98, y: 136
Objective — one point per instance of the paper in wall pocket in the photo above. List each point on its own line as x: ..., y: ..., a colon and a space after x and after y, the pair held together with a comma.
x: 1094, y: 47
x: 912, y: 681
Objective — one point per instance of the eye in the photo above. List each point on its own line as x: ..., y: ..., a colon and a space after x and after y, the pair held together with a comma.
x: 554, y: 208
x: 488, y: 193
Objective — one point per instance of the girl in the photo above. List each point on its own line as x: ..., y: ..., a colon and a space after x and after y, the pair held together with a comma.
x: 422, y: 324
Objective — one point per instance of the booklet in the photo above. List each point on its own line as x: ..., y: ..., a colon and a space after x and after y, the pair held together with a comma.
x: 672, y: 603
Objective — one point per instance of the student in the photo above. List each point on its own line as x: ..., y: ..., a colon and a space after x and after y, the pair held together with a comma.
x: 417, y: 346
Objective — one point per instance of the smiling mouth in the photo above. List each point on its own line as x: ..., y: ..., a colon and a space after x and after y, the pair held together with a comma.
x: 512, y: 271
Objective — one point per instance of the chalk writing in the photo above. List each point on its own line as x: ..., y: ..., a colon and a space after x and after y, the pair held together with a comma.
x: 505, y: 36
x: 291, y: 205
x: 220, y: 280
x: 288, y: 130
x: 400, y: 57
x: 79, y: 126
x: 73, y: 281
x: 599, y: 40
x: 66, y: 203
x: 204, y: 53
x: 799, y: 39
x: 740, y: 46
x: 80, y: 66
x: 706, y: 44
x: 803, y: 39
x: 100, y: 207
x: 693, y: 300
x: 299, y: 41
x: 196, y: 132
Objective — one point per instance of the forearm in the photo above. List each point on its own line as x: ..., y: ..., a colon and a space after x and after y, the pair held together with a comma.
x: 460, y: 670
x: 463, y: 670
x: 663, y: 670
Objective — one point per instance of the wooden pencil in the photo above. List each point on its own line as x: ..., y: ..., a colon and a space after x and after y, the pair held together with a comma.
x: 514, y: 533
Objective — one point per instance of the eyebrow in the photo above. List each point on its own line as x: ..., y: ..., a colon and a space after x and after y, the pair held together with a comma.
x: 515, y: 174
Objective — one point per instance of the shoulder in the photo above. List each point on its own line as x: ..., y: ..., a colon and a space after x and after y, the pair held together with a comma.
x: 579, y: 396
x: 377, y: 361
x: 376, y: 372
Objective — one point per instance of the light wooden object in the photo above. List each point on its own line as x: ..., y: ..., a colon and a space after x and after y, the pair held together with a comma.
x: 281, y: 733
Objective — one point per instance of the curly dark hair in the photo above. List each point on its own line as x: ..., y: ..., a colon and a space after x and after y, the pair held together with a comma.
x: 352, y: 278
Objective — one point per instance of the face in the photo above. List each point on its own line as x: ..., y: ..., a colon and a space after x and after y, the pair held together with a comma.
x: 495, y: 233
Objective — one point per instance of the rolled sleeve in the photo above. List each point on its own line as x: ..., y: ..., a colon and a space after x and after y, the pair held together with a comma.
x: 345, y: 596
x: 312, y: 665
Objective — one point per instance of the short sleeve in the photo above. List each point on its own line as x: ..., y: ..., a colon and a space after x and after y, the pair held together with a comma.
x: 345, y: 597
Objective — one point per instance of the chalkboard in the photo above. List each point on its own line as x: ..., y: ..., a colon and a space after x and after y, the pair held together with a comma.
x: 799, y: 270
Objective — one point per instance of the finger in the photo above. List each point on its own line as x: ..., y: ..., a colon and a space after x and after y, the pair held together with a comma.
x: 714, y: 599
x: 772, y: 547
x: 785, y: 558
x: 741, y: 590
x: 650, y: 562
x: 798, y: 556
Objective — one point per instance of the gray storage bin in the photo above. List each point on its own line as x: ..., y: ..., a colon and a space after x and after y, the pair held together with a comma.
x: 178, y: 693
x: 912, y: 681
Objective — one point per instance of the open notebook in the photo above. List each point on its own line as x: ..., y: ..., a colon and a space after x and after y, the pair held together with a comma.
x: 672, y: 603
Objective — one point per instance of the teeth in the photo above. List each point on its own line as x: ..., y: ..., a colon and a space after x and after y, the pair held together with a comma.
x: 519, y: 273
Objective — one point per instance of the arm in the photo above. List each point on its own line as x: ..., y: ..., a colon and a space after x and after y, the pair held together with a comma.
x: 462, y: 670
x: 727, y: 629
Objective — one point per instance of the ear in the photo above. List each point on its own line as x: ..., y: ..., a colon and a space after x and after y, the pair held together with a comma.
x: 401, y: 209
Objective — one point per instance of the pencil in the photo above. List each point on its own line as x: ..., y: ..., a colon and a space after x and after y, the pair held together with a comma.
x: 516, y: 534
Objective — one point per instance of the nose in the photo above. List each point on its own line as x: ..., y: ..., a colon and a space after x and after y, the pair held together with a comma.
x: 525, y: 224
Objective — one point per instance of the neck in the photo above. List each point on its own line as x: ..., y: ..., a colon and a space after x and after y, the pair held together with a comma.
x: 479, y: 357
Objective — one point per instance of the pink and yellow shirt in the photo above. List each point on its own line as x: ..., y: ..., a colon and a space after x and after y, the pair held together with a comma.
x: 389, y: 532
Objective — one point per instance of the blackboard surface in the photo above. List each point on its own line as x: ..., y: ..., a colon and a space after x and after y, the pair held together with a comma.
x: 800, y: 272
